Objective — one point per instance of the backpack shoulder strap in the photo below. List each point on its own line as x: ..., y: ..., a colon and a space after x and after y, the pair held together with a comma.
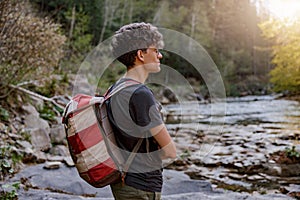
x: 130, y: 158
x: 109, y: 93
x: 113, y: 90
x: 132, y: 154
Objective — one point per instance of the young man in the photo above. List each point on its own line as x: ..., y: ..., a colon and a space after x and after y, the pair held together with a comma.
x: 134, y: 113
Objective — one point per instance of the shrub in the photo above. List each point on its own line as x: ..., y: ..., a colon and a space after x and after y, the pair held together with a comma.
x: 30, y: 46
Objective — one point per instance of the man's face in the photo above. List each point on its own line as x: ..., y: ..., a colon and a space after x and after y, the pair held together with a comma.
x: 152, y: 58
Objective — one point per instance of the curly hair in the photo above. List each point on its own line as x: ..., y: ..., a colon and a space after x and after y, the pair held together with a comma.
x: 133, y: 37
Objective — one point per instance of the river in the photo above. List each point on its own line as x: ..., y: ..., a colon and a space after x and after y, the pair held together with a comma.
x: 230, y: 142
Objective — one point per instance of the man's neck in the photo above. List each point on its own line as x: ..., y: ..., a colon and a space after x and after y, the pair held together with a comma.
x: 137, y: 73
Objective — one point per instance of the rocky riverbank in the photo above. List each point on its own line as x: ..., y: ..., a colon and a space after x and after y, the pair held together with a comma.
x: 236, y: 151
x: 64, y: 184
x: 220, y: 157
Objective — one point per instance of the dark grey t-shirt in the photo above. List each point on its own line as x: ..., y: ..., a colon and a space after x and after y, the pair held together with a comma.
x: 133, y: 112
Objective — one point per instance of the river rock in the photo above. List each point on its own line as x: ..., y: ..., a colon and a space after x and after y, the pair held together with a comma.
x: 55, y: 158
x: 52, y: 165
x: 32, y: 119
x: 41, y: 157
x: 65, y: 184
x: 170, y: 95
x: 24, y: 144
x: 247, y: 148
x: 69, y: 161
x: 40, y: 139
x: 57, y: 134
x: 255, y: 178
x: 33, y: 156
x: 60, y: 150
x: 283, y: 170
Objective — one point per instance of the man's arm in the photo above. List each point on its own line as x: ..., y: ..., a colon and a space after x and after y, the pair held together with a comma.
x: 163, y: 138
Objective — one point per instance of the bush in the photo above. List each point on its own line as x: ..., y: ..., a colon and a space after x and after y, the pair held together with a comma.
x: 9, y: 191
x: 31, y: 46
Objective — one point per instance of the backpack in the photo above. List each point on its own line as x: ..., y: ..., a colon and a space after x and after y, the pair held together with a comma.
x: 91, y: 139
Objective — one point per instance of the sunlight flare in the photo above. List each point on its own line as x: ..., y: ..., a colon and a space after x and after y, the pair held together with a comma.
x: 284, y: 9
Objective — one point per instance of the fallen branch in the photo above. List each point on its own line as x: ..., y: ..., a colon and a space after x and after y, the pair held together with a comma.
x: 36, y: 95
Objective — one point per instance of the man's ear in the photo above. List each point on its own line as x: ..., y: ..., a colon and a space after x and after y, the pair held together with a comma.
x: 140, y: 55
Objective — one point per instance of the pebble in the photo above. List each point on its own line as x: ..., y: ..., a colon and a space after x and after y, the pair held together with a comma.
x: 255, y: 178
x: 52, y: 165
x: 55, y: 158
x: 69, y: 162
x: 24, y: 144
x: 237, y: 176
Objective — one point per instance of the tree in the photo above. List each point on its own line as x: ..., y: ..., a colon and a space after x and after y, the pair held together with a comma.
x: 227, y: 29
x: 78, y: 24
x: 30, y: 46
x: 286, y: 53
x: 235, y: 41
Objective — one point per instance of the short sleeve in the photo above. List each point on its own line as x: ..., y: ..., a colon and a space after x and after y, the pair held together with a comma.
x: 143, y: 108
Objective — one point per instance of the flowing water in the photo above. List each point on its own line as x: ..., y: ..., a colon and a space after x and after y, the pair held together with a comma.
x: 230, y: 142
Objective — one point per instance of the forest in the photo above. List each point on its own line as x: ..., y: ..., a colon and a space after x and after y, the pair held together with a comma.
x: 254, y: 45
x: 254, y: 52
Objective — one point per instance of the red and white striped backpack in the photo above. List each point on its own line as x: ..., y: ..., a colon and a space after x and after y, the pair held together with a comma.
x: 91, y: 139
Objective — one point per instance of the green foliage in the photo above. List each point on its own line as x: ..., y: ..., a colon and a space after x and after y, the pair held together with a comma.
x: 51, y: 86
x: 227, y: 29
x: 235, y: 38
x: 81, y: 38
x: 47, y: 113
x: 286, y: 54
x: 292, y: 152
x: 8, y: 160
x: 10, y: 191
x: 26, y: 136
x: 4, y: 114
x: 110, y: 76
x: 231, y: 89
x: 171, y: 16
x: 185, y: 154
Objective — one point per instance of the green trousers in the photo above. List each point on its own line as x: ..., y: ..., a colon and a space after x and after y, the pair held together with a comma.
x: 125, y: 192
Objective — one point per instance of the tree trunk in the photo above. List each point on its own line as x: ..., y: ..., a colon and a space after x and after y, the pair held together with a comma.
x: 72, y: 22
x: 106, y: 11
x: 130, y: 11
x: 112, y: 11
x: 193, y: 24
x: 123, y: 11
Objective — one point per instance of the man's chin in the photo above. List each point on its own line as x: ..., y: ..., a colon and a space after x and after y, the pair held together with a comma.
x: 158, y: 69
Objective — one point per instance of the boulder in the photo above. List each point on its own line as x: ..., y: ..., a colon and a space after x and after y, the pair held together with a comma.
x: 32, y: 119
x: 60, y: 150
x: 57, y: 134
x: 40, y: 139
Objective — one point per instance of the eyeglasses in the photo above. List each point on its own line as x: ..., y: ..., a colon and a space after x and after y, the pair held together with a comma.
x: 155, y: 50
